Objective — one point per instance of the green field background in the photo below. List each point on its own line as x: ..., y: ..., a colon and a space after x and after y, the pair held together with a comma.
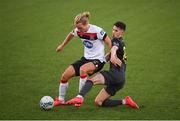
x: 30, y: 31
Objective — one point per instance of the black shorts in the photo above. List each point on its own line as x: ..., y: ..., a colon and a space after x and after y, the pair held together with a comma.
x: 99, y: 65
x: 114, y: 79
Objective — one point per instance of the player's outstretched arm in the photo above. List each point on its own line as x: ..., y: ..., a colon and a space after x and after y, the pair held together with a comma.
x: 67, y: 39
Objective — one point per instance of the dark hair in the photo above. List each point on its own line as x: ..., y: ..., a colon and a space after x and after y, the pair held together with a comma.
x: 120, y: 25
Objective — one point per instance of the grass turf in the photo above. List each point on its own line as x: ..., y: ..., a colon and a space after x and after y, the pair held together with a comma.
x: 30, y: 31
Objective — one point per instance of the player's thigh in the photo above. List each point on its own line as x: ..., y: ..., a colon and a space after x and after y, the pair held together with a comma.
x: 97, y: 78
x: 88, y: 68
x: 68, y: 73
x: 101, y: 97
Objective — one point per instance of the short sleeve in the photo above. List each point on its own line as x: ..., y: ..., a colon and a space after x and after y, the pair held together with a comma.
x: 101, y: 34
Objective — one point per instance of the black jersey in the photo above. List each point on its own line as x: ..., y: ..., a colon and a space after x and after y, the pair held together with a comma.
x: 115, y: 77
x: 120, y: 51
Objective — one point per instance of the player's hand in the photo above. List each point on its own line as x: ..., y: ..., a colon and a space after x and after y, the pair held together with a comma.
x: 116, y: 61
x: 59, y: 48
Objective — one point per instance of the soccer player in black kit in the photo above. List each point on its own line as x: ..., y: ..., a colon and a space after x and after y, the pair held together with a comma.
x: 114, y: 79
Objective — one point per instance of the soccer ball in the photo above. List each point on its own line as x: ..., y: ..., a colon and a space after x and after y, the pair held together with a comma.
x: 46, y: 103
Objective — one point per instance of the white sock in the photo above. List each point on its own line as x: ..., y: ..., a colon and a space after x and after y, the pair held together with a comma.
x: 123, y: 102
x: 80, y: 96
x: 82, y: 82
x: 62, y: 91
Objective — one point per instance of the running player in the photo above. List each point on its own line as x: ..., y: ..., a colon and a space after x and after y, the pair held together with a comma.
x: 93, y: 38
x: 114, y: 79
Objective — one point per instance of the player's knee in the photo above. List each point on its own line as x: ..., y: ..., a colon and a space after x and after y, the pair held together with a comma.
x: 98, y: 102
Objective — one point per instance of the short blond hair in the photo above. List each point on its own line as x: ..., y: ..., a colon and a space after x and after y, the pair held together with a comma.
x: 82, y: 18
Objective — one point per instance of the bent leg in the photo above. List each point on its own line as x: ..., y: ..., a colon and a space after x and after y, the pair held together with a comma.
x: 85, y: 69
x: 86, y: 88
x: 97, y: 79
x: 102, y: 99
x: 68, y: 73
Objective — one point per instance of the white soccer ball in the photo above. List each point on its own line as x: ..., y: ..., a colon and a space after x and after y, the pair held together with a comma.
x: 46, y: 103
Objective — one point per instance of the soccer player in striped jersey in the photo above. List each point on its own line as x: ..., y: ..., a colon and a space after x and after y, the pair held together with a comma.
x: 93, y: 38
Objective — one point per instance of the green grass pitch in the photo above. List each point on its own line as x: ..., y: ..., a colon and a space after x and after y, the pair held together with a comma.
x: 30, y: 31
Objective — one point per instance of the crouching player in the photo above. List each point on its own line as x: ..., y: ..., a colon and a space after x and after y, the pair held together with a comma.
x: 114, y: 79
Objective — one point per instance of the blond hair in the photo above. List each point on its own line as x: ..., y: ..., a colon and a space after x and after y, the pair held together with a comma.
x: 82, y: 18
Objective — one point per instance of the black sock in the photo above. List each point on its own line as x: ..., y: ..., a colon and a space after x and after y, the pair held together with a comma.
x: 110, y: 103
x: 86, y: 88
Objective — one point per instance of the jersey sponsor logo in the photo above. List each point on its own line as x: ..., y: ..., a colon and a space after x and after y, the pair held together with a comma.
x: 88, y: 44
x: 89, y: 36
